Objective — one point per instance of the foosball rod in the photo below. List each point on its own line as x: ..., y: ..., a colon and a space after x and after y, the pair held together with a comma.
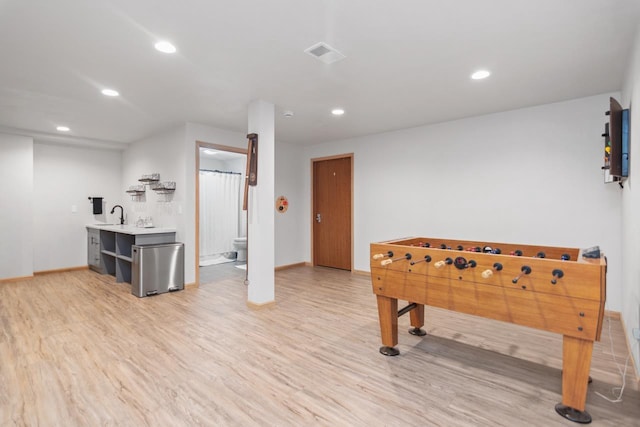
x: 427, y: 258
x: 406, y: 256
x: 524, y: 270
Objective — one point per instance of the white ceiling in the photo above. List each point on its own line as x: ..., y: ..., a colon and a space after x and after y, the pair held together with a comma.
x: 407, y: 62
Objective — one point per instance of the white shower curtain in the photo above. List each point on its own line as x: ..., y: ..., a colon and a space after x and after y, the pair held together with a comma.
x: 219, y: 206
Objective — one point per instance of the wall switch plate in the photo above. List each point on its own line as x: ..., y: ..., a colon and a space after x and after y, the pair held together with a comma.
x: 636, y: 333
x: 74, y: 209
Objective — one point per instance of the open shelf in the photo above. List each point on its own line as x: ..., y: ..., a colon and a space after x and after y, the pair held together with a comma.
x: 150, y: 178
x: 109, y: 264
x: 108, y: 241
x: 123, y: 270
x: 164, y: 187
x: 123, y: 244
x: 126, y: 258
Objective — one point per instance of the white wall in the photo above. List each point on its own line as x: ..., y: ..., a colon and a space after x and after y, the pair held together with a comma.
x: 64, y: 177
x: 236, y: 165
x: 206, y: 162
x: 631, y: 207
x: 528, y: 176
x: 164, y: 154
x: 16, y: 215
x: 290, y: 238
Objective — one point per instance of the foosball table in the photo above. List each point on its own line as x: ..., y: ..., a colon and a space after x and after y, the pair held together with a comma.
x: 555, y: 289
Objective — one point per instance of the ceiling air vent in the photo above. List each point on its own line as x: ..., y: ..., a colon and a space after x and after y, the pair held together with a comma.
x: 324, y: 53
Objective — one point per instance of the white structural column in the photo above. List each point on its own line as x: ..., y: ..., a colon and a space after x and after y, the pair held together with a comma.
x: 261, y: 230
x: 16, y: 217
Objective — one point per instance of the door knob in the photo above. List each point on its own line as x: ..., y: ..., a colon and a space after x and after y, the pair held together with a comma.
x: 318, y: 218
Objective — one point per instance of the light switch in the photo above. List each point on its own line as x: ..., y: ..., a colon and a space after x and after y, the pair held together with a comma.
x: 74, y: 209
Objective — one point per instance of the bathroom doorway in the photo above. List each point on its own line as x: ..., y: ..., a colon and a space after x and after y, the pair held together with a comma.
x: 221, y: 223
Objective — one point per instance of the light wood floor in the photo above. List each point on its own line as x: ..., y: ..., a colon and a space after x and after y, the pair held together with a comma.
x: 220, y: 272
x: 77, y: 349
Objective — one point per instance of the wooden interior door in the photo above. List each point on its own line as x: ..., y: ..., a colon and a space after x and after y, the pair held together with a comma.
x: 332, y: 213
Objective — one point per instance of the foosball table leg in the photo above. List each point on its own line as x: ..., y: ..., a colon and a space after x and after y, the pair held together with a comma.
x: 417, y: 321
x: 576, y: 362
x: 388, y: 315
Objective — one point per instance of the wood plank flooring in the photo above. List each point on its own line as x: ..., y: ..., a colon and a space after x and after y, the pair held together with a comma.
x: 77, y: 349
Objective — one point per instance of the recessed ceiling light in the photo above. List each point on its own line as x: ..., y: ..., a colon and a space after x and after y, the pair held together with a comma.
x: 210, y: 152
x: 63, y: 129
x: 110, y: 92
x: 337, y: 111
x: 165, y: 47
x: 480, y: 74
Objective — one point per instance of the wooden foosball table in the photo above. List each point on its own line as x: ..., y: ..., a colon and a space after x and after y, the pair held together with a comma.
x: 560, y: 290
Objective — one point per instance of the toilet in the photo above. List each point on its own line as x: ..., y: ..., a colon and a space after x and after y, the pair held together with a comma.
x: 240, y: 245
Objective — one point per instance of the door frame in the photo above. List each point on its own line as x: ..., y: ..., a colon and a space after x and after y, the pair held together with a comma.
x: 202, y: 144
x: 312, y: 216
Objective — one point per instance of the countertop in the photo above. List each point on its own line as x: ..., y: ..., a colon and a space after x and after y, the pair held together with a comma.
x: 130, y: 229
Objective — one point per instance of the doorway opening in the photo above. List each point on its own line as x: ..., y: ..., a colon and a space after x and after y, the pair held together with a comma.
x: 332, y: 200
x: 221, y: 224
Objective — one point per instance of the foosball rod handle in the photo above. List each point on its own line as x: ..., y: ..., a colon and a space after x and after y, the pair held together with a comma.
x: 380, y: 256
x: 488, y: 272
x: 442, y: 263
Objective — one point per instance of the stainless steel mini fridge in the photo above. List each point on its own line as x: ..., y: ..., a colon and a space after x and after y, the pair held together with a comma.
x: 156, y: 269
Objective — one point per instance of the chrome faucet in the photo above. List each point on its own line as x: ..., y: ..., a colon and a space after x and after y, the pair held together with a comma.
x: 121, y: 213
